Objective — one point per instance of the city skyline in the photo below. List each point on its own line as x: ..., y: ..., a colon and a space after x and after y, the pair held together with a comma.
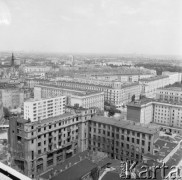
x: 104, y: 26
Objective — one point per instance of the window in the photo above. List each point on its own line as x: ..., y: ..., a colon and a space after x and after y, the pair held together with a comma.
x: 143, y: 142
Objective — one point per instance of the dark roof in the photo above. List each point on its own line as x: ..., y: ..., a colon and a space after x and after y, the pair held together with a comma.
x: 76, y: 171
x: 124, y: 124
x: 74, y: 159
x: 111, y: 176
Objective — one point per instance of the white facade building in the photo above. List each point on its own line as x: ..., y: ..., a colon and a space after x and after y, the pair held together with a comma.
x: 41, y: 109
x: 173, y: 76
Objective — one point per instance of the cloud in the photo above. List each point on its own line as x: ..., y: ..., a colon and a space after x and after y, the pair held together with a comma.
x: 5, y: 16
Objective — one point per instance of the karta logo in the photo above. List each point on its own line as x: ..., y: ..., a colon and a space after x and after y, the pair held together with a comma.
x: 128, y: 171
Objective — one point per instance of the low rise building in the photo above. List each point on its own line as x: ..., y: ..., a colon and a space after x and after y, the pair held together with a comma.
x: 38, y: 109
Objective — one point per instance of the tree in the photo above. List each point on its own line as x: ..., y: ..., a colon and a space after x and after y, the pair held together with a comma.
x: 111, y: 112
x: 133, y: 98
x: 6, y: 113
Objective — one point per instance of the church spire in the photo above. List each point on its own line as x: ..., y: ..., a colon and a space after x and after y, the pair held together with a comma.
x: 12, y: 60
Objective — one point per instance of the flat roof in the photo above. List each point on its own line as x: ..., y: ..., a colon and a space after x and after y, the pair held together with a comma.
x: 130, y: 125
x: 42, y: 99
x: 154, y: 78
x: 81, y: 93
x: 148, y: 100
x: 178, y: 89
x: 141, y: 102
x: 51, y: 119
x: 76, y: 171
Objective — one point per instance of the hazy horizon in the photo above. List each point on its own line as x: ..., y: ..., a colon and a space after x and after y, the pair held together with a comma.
x: 140, y: 27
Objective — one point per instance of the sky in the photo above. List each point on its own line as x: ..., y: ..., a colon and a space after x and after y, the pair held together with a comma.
x: 92, y: 26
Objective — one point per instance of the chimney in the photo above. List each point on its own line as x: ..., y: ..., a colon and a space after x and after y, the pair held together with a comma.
x: 70, y: 164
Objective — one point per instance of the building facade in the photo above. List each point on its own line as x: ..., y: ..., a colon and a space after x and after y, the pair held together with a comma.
x: 150, y: 85
x: 36, y: 147
x: 85, y: 99
x: 173, y: 94
x: 38, y: 109
x: 121, y: 140
x: 173, y: 76
x: 160, y: 112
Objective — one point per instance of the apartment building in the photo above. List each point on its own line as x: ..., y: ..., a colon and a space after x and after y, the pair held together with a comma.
x: 135, y: 77
x: 118, y: 94
x: 173, y: 76
x: 150, y: 85
x: 173, y: 94
x: 167, y: 113
x: 38, y: 146
x: 85, y: 99
x: 123, y: 140
x: 164, y: 113
x: 12, y: 98
x: 38, y: 109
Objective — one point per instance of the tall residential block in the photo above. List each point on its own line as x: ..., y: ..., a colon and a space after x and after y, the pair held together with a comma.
x: 44, y: 108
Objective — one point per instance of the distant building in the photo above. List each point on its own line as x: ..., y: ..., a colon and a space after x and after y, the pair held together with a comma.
x: 173, y: 76
x: 85, y: 99
x: 39, y: 109
x: 29, y: 69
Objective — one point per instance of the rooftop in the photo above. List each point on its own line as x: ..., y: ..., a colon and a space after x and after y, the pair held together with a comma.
x: 74, y: 166
x: 51, y: 119
x: 130, y: 125
x: 154, y: 78
x: 141, y: 102
x: 42, y: 99
x: 77, y: 91
x: 145, y: 101
x: 178, y: 89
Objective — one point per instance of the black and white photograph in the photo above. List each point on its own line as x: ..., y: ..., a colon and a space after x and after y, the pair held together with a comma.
x: 90, y: 89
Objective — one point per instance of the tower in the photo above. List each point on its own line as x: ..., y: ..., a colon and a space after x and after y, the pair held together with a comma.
x: 12, y: 60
